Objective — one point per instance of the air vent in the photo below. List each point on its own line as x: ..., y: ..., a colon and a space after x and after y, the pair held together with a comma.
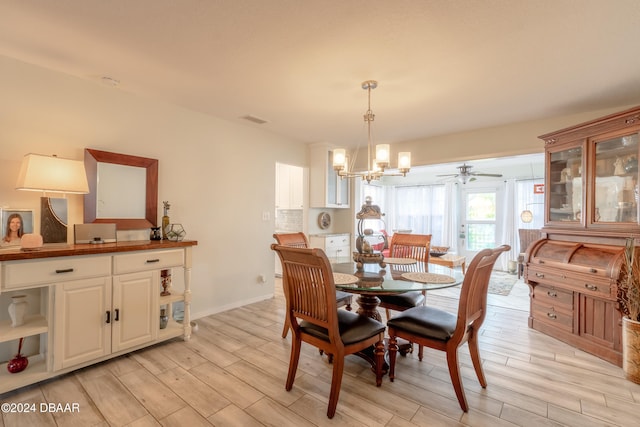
x: 255, y: 119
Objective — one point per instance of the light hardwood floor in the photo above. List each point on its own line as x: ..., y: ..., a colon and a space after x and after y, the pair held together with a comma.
x: 232, y: 373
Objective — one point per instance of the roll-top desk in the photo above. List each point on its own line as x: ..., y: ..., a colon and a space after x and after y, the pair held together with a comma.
x: 591, y: 208
x: 88, y: 303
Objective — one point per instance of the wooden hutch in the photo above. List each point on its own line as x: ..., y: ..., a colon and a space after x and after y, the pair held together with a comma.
x: 591, y: 207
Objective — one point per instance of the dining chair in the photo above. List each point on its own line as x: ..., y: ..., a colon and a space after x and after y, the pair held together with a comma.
x: 315, y: 319
x: 299, y: 240
x: 441, y: 330
x: 414, y: 246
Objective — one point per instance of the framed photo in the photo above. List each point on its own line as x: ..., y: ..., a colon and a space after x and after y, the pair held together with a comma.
x: 26, y: 215
x: 538, y: 188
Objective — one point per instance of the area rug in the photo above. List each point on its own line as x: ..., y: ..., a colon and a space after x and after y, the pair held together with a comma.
x: 501, y: 282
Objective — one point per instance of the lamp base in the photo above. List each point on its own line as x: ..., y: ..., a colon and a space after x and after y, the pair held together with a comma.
x: 53, y: 220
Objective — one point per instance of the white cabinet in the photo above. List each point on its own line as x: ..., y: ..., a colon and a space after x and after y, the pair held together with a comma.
x: 336, y: 246
x: 84, y: 309
x: 289, y: 186
x: 326, y: 188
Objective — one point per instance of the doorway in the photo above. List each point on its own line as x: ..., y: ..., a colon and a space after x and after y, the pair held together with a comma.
x: 480, y: 222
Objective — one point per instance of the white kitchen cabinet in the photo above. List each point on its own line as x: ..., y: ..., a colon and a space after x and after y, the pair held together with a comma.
x: 289, y: 186
x: 337, y: 247
x: 326, y: 188
x: 89, y: 303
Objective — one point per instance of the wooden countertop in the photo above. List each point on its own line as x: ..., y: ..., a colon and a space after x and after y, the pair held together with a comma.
x: 57, y: 250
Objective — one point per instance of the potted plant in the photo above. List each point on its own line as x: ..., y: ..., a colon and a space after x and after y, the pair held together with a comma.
x: 629, y: 299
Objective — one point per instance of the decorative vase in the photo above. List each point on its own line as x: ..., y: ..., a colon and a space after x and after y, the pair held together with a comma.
x: 165, y: 219
x: 19, y: 363
x: 164, y: 319
x: 631, y: 349
x: 17, y: 309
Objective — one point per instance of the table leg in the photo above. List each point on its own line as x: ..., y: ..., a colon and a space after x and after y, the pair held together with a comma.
x: 368, y: 306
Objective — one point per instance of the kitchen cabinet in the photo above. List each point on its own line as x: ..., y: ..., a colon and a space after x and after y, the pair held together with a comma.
x: 88, y: 303
x: 326, y: 188
x: 336, y: 246
x: 591, y: 207
x: 289, y: 186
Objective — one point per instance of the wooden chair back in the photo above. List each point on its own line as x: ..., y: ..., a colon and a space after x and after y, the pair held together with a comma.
x: 528, y: 236
x: 414, y: 246
x: 472, y: 306
x: 292, y: 240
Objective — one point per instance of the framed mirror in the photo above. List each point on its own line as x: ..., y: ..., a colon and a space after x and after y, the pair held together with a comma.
x: 123, y: 190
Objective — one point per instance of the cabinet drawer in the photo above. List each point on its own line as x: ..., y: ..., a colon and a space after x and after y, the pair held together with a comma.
x: 337, y: 241
x: 553, y: 316
x: 144, y: 261
x: 16, y: 274
x: 552, y: 296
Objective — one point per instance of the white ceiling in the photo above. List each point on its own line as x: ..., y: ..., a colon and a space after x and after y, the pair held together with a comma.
x: 442, y: 66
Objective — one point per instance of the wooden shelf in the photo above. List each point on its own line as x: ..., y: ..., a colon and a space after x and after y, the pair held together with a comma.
x: 34, y: 325
x: 36, y: 371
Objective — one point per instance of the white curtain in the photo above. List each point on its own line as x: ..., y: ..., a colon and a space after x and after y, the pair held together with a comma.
x: 450, y: 222
x: 509, y: 228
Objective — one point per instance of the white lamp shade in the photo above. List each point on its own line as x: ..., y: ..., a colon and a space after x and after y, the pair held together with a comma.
x: 50, y: 173
x: 382, y: 153
x: 404, y: 160
x: 339, y: 157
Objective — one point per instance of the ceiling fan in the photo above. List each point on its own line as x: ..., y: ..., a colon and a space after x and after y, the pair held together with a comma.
x: 465, y: 175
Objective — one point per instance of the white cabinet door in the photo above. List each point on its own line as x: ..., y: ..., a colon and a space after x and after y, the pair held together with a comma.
x: 82, y: 321
x: 135, y: 305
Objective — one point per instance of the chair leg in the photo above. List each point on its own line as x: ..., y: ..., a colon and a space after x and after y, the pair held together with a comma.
x: 474, y: 351
x: 379, y: 356
x: 336, y: 382
x: 293, y: 361
x: 285, y: 328
x: 387, y: 313
x: 393, y: 353
x: 456, y: 379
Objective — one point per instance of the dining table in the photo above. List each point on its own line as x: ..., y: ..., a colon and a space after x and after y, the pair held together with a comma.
x: 369, y: 281
x: 400, y: 275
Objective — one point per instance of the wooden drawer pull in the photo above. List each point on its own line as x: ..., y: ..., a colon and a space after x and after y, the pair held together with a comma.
x: 593, y: 270
x: 149, y: 261
x: 540, y: 275
x: 552, y: 316
x: 108, y: 316
x: 65, y: 270
x: 552, y: 294
x: 591, y: 287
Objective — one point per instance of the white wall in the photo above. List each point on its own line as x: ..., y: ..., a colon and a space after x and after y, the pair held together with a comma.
x: 218, y: 176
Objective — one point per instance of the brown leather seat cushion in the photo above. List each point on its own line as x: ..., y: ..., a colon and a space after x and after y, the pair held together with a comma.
x: 352, y: 326
x: 425, y: 321
x: 407, y: 299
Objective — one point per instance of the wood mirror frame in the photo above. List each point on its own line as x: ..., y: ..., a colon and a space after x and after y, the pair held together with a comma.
x: 91, y: 159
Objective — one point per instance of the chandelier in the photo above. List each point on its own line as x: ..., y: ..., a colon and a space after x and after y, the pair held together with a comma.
x: 375, y: 166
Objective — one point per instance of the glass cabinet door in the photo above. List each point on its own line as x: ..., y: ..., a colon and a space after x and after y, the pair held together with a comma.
x: 564, y: 195
x: 615, y: 198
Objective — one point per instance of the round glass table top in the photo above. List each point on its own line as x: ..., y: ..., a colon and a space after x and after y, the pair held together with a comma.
x: 375, y: 280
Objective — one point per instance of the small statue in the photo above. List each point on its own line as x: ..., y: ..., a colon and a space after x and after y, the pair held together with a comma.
x: 618, y: 167
x: 369, y: 210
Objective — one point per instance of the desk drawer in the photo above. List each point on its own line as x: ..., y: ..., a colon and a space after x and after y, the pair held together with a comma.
x: 577, y: 282
x: 144, y: 261
x: 553, y: 315
x: 25, y: 273
x: 552, y: 296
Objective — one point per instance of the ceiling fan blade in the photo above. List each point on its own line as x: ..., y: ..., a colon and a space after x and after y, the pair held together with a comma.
x: 450, y: 174
x: 497, y: 175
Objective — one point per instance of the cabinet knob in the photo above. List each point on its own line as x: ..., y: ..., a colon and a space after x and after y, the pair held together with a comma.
x: 64, y: 270
x: 150, y: 261
x: 552, y: 294
x: 540, y: 275
x: 552, y: 316
x: 591, y: 287
x: 593, y: 270
x: 117, y: 316
x: 108, y: 316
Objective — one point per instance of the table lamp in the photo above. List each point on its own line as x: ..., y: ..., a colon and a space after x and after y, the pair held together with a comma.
x: 52, y: 174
